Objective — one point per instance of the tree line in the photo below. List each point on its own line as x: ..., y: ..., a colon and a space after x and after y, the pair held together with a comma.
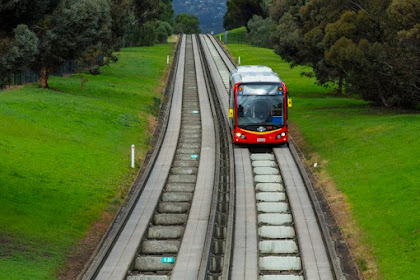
x: 365, y: 47
x: 41, y: 34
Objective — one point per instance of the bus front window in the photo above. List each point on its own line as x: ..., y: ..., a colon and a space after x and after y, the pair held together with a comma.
x: 260, y: 110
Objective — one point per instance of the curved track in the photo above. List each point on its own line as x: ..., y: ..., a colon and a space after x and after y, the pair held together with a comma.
x: 208, y: 210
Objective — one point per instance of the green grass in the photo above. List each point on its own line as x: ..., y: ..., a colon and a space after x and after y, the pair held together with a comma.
x: 373, y: 155
x: 65, y: 157
x: 234, y: 36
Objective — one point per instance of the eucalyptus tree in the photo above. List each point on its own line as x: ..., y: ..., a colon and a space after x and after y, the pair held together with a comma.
x: 66, y: 32
x: 18, y: 43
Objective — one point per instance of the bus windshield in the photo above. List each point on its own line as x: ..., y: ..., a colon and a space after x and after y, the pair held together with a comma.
x: 260, y: 112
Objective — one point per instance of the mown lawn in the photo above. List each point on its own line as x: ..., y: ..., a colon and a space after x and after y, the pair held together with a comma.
x: 64, y: 156
x: 373, y: 156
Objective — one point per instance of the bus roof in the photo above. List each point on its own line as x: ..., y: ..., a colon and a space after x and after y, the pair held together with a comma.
x: 254, y: 74
x: 253, y: 69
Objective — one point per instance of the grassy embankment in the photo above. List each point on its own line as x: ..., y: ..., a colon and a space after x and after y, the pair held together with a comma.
x: 65, y: 157
x: 233, y: 36
x: 371, y: 155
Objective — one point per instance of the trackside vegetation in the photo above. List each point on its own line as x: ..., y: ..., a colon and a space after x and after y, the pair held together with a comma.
x: 372, y: 156
x: 65, y: 156
x: 370, y: 48
x: 39, y: 35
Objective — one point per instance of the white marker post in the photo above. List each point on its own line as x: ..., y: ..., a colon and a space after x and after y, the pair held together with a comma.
x: 239, y: 60
x: 133, y: 148
x: 167, y: 59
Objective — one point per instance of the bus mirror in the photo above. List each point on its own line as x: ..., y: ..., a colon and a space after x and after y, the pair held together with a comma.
x: 230, y: 113
x: 289, y: 102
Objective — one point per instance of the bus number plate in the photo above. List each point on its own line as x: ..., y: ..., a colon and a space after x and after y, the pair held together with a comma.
x: 260, y: 139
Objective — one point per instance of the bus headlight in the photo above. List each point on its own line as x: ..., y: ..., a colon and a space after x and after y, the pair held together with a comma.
x: 281, y: 135
x: 240, y: 135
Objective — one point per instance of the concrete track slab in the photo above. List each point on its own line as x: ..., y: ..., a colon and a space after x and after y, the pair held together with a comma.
x: 266, y: 171
x: 189, y: 256
x: 245, y: 251
x: 281, y: 277
x: 263, y: 157
x: 270, y: 196
x: 264, y: 163
x: 122, y: 254
x: 269, y: 187
x: 148, y: 277
x: 151, y: 263
x: 276, y: 232
x: 166, y: 232
x: 280, y: 263
x: 274, y: 219
x: 278, y: 247
x: 273, y: 207
x: 268, y: 179
x: 313, y: 252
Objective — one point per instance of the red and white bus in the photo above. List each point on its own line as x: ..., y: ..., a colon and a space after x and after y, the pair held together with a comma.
x: 258, y: 106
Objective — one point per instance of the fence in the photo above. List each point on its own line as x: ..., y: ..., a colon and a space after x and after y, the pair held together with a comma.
x: 26, y: 76
x: 235, y: 38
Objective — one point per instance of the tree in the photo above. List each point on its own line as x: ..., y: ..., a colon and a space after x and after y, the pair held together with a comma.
x: 67, y: 32
x: 239, y: 12
x: 27, y: 12
x: 261, y: 31
x: 166, y: 12
x: 147, y: 34
x: 187, y: 24
x: 18, y: 51
x: 122, y: 18
x: 164, y: 30
x: 370, y: 47
x: 146, y: 10
x: 18, y: 43
x: 149, y: 27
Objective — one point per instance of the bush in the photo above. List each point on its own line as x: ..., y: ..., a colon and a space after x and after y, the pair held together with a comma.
x: 147, y: 34
x: 260, y: 31
x: 164, y: 30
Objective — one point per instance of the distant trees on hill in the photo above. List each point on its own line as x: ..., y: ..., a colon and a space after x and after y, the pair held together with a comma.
x: 41, y: 34
x: 186, y: 23
x: 369, y: 47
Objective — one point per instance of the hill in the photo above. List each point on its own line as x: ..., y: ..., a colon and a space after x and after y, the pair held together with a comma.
x: 210, y: 12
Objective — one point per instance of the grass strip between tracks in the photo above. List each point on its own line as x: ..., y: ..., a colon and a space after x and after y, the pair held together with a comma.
x: 369, y: 154
x: 65, y: 156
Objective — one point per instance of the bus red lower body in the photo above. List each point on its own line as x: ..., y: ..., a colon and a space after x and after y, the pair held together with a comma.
x: 278, y: 136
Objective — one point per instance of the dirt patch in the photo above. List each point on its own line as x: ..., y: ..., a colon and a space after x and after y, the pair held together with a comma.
x: 84, y: 250
x: 152, y: 121
x: 6, y: 244
x: 357, y: 258
x: 10, y: 245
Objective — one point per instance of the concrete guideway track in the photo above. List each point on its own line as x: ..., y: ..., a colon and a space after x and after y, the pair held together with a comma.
x: 313, y: 250
x: 191, y: 221
x: 185, y: 204
x: 188, y: 262
x: 172, y: 223
x: 315, y: 260
x: 123, y: 252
